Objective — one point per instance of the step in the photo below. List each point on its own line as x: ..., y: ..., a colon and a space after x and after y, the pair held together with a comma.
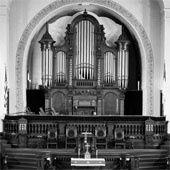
x: 2, y: 137
x: 167, y: 142
x: 22, y: 162
x: 3, y: 141
x: 21, y: 151
x: 151, y: 159
x: 22, y: 167
x: 156, y: 163
x: 165, y: 146
x: 22, y: 157
x: 152, y: 168
x: 6, y: 145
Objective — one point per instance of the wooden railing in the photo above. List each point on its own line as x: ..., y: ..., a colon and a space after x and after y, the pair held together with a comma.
x: 37, y: 127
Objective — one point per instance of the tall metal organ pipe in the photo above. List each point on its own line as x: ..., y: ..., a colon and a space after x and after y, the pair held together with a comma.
x: 47, y: 58
x: 123, y: 64
x: 109, y: 67
x: 84, y: 50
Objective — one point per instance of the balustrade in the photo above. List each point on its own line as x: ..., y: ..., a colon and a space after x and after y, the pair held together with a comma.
x: 133, y: 128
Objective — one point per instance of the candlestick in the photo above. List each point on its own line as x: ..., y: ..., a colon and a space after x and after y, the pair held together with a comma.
x: 96, y: 153
x: 138, y: 85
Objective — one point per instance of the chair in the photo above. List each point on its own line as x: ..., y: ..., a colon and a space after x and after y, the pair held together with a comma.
x: 71, y: 137
x: 119, y: 138
x: 41, y: 112
x: 100, y: 136
x: 52, y: 138
x: 53, y: 112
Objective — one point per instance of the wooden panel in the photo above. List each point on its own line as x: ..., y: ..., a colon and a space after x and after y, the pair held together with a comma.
x: 110, y: 104
x: 59, y: 103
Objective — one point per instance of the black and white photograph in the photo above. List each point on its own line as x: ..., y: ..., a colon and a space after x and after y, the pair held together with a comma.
x: 85, y: 84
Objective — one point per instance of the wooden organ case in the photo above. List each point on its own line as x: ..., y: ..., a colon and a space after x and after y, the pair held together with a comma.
x: 84, y: 76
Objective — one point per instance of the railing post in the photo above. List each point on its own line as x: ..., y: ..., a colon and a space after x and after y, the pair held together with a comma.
x: 40, y: 162
x: 5, y: 162
x: 134, y: 163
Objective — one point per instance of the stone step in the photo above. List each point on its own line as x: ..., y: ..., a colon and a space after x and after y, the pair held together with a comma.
x: 23, y: 158
x: 2, y: 137
x: 26, y: 162
x: 22, y: 155
x: 3, y: 141
x: 152, y: 168
x: 6, y: 145
x: 21, y: 167
x: 153, y: 162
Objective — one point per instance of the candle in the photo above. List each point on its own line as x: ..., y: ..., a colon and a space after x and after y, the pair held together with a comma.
x: 138, y: 85
x: 79, y: 152
x: 96, y: 153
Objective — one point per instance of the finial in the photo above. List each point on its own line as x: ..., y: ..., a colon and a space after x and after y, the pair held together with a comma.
x: 85, y: 12
x: 46, y: 27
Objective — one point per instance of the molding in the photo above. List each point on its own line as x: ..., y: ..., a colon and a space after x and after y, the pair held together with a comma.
x: 125, y: 15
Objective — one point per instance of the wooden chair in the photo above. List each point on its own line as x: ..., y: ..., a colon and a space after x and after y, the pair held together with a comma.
x: 100, y: 136
x: 71, y: 137
x: 41, y: 112
x: 119, y: 138
x: 52, y: 138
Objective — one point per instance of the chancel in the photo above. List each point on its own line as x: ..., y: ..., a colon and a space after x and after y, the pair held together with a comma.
x: 86, y: 84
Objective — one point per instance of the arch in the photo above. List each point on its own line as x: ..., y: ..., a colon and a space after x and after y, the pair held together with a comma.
x: 121, y: 13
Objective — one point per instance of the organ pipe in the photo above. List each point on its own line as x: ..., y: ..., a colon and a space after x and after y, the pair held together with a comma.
x: 123, y: 61
x: 109, y: 67
x: 47, y: 58
x: 60, y: 71
x: 84, y: 50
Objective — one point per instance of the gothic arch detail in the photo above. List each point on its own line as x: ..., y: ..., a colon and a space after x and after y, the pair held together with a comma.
x: 129, y: 19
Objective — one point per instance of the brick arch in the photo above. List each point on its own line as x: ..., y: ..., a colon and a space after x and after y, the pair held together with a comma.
x: 128, y: 19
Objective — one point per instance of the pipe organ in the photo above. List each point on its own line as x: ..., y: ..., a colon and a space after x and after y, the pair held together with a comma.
x: 85, y: 69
